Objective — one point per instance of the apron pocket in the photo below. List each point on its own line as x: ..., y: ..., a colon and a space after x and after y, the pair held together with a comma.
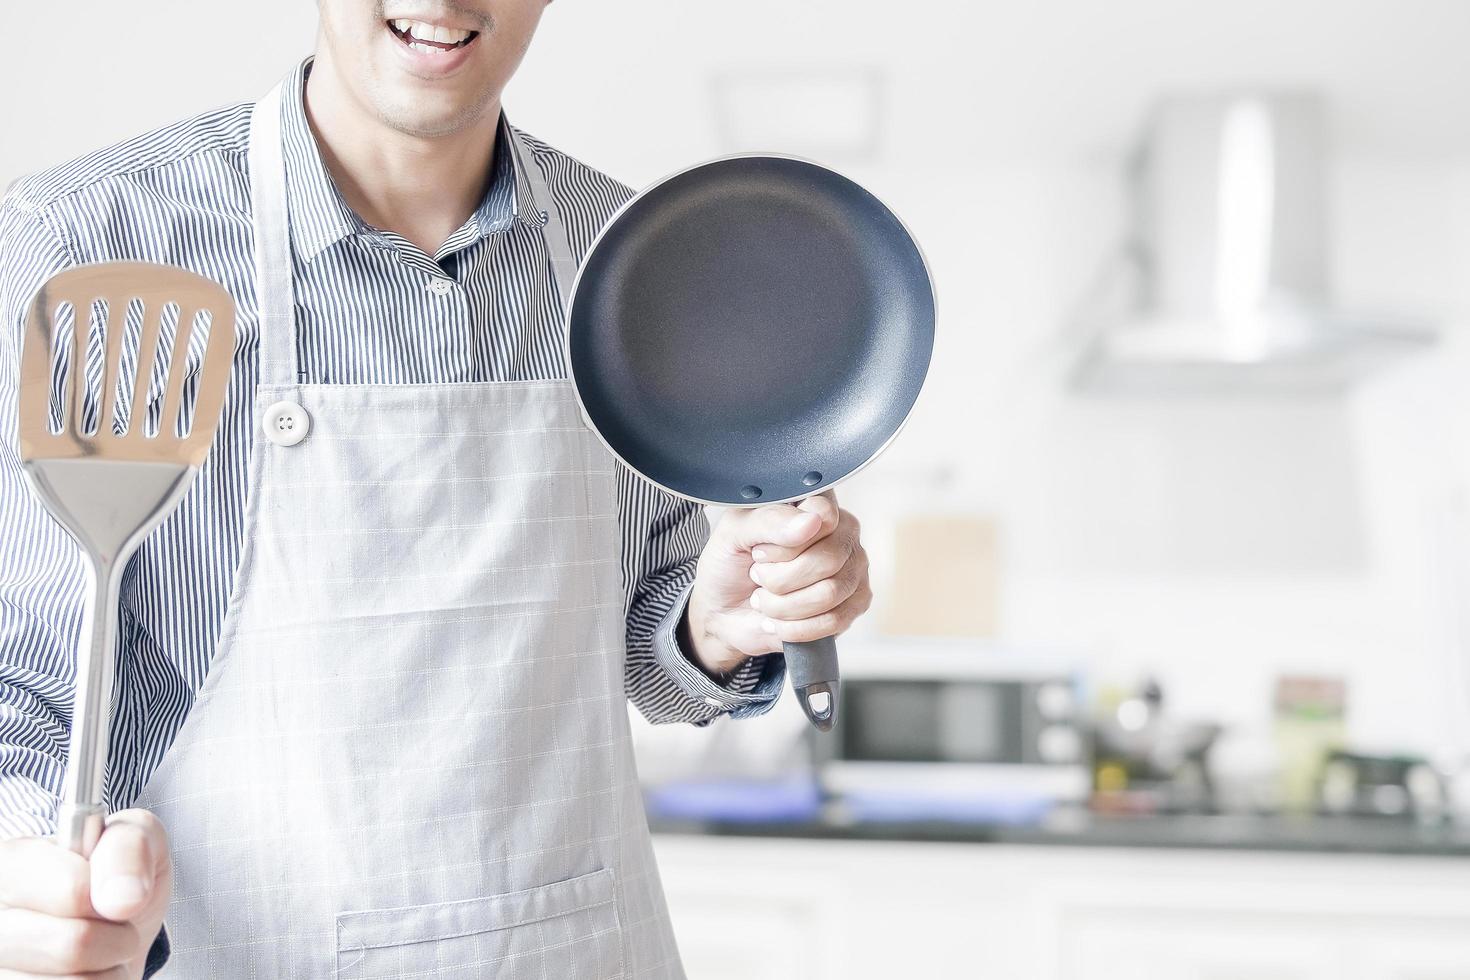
x: 563, y: 929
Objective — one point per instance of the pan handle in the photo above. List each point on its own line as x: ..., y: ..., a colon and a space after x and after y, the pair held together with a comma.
x: 814, y: 679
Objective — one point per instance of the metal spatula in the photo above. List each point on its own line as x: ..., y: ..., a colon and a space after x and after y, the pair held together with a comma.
x: 111, y: 483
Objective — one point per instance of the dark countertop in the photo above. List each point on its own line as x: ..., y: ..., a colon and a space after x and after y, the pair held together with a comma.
x: 1343, y: 835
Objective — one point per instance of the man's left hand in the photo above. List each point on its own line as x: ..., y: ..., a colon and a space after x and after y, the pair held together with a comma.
x: 776, y: 574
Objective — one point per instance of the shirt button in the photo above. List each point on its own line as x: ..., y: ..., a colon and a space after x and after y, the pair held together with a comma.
x: 286, y: 423
x: 440, y: 287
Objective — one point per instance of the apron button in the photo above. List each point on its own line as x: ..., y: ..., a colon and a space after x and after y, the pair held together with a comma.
x: 286, y: 423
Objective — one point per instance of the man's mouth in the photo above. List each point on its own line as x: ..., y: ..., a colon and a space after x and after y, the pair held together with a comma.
x: 430, y: 38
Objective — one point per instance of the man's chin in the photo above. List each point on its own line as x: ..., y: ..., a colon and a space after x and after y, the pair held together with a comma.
x: 430, y: 115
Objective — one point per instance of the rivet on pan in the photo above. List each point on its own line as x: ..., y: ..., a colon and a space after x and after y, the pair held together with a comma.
x: 812, y: 478
x: 750, y: 491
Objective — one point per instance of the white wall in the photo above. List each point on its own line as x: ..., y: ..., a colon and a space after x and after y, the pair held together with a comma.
x: 1217, y: 543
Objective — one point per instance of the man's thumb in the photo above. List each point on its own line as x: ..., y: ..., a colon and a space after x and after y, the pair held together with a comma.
x: 125, y: 863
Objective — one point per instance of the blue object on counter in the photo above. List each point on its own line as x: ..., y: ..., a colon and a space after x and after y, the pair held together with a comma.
x: 1012, y: 810
x: 797, y: 800
x: 735, y: 799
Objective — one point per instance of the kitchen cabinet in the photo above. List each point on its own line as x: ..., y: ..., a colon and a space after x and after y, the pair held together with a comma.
x: 816, y: 909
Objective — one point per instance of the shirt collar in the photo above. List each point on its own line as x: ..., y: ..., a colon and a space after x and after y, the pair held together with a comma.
x: 320, y: 217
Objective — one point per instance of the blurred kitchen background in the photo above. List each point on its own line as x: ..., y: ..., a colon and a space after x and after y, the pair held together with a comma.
x: 1168, y: 674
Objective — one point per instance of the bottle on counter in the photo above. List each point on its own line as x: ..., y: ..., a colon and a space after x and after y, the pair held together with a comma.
x: 1310, y: 724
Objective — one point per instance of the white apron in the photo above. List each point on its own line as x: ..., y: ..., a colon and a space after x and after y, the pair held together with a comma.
x: 411, y: 755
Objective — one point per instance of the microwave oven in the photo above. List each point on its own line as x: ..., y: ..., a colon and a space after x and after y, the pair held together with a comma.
x: 940, y: 719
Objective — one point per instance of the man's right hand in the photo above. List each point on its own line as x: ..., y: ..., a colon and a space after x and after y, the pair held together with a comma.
x: 65, y: 915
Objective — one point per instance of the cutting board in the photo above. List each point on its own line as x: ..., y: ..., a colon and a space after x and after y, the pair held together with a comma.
x: 945, y: 577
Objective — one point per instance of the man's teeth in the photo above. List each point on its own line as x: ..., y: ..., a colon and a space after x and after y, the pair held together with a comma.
x: 414, y: 30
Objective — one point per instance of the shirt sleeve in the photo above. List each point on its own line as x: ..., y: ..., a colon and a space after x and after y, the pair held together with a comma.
x: 41, y: 575
x: 663, y: 536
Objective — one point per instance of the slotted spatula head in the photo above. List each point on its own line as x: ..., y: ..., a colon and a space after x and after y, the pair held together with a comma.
x: 117, y: 284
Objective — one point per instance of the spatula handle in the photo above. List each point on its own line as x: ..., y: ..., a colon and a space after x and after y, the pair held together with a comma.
x: 78, y: 827
x: 80, y: 816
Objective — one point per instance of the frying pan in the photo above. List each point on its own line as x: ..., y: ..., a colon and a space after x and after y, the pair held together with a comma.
x: 752, y: 330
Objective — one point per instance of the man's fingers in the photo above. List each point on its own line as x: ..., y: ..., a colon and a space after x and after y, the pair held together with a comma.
x: 779, y: 525
x: 125, y: 862
x: 43, y: 877
x: 783, y: 529
x: 828, y: 557
x: 741, y: 630
x: 829, y: 623
x: 48, y: 945
x: 812, y: 600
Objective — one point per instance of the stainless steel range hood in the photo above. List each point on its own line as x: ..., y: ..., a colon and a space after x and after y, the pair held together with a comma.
x: 1228, y: 286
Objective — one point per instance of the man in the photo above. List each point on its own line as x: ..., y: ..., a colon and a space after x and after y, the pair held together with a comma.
x: 369, y: 715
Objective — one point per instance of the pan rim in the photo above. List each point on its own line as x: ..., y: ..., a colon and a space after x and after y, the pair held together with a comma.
x: 570, y: 303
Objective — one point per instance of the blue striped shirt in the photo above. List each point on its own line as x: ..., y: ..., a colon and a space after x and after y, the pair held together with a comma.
x: 365, y: 315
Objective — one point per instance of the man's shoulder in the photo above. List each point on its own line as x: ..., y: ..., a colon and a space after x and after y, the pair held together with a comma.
x: 174, y: 156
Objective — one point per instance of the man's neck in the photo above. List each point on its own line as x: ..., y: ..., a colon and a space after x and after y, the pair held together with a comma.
x: 420, y: 188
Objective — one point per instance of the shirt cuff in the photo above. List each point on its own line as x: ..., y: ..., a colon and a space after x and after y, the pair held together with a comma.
x: 751, y: 690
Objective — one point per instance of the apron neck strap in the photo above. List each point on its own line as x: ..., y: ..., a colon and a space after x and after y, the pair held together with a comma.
x: 275, y: 294
x: 279, y: 350
x: 558, y: 248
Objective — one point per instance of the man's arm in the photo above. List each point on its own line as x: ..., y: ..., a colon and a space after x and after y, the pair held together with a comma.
x: 41, y: 578
x: 663, y: 536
